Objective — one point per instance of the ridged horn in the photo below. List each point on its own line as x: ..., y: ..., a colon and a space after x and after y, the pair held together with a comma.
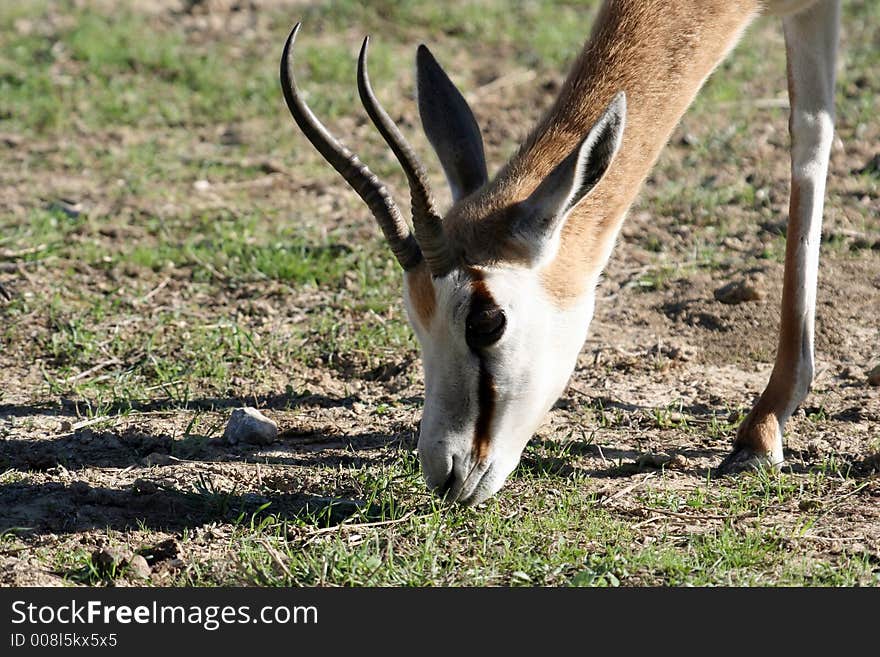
x: 426, y: 222
x: 377, y: 197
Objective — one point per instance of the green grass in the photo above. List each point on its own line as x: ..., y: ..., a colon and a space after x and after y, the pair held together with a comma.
x: 114, y: 70
x: 152, y: 234
x: 559, y: 535
x: 180, y: 352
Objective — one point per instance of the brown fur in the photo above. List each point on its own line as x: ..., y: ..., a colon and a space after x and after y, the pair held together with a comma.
x: 658, y: 52
x: 758, y: 430
x: 421, y: 294
x: 791, y: 328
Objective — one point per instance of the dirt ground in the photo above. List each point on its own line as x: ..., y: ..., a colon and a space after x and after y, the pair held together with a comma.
x: 667, y: 368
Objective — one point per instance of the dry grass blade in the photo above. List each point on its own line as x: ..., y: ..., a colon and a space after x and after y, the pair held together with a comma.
x: 149, y: 295
x: 87, y: 373
x: 698, y: 517
x: 276, y: 557
x: 9, y: 254
x: 364, y: 525
x: 607, y: 500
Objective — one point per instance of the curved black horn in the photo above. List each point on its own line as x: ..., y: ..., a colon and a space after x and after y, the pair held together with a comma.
x: 356, y: 174
x: 427, y: 223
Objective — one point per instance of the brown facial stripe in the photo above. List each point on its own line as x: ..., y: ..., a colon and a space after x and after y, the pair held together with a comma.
x: 486, y: 402
x: 486, y: 385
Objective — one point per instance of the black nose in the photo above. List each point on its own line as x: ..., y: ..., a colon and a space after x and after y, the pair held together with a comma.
x: 450, y: 480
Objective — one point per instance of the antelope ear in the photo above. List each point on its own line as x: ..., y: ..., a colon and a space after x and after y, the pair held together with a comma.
x: 544, y: 212
x: 450, y: 126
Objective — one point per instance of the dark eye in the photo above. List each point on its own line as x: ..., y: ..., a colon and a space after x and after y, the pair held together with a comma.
x: 484, y: 327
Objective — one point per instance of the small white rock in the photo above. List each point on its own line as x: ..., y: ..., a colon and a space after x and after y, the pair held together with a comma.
x: 248, y: 425
x: 201, y: 185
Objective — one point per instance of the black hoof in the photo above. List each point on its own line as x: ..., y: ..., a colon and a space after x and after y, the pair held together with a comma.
x: 745, y: 459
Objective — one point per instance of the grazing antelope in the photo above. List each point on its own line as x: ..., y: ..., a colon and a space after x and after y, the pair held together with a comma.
x: 500, y: 291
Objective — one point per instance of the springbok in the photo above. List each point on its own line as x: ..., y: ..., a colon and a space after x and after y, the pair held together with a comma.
x: 500, y: 291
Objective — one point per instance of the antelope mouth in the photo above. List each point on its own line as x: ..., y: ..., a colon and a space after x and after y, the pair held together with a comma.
x: 473, y: 489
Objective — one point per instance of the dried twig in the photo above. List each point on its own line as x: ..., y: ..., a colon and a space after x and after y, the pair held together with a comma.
x: 691, y: 517
x: 9, y: 254
x: 91, y: 370
x: 832, y: 539
x: 21, y: 268
x: 624, y: 491
x: 209, y: 267
x: 701, y: 516
x: 149, y: 295
x: 276, y: 557
x: 643, y: 523
x: 837, y: 500
x: 602, y: 454
x: 363, y: 525
x: 85, y: 423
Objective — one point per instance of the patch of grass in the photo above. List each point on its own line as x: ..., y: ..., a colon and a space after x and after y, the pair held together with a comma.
x: 557, y: 534
x: 166, y: 259
x: 597, y: 415
x: 548, y: 33
x: 720, y: 426
x: 117, y: 70
x: 80, y: 567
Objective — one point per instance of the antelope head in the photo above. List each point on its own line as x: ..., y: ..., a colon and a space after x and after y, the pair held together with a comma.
x: 497, y: 347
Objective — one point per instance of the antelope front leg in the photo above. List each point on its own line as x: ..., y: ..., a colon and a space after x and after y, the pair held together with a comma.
x: 811, y: 44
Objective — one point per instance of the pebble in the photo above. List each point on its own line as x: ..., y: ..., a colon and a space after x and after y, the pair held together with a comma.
x: 746, y: 289
x: 248, y: 425
x: 108, y: 560
x: 139, y: 567
x: 660, y: 460
x: 144, y: 487
x: 874, y: 376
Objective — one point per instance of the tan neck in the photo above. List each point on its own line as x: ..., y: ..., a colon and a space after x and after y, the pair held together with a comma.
x: 659, y: 52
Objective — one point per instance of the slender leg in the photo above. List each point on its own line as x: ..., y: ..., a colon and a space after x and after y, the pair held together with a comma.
x: 811, y: 45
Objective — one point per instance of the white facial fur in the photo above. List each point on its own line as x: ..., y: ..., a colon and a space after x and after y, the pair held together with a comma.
x: 482, y: 404
x: 529, y: 366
